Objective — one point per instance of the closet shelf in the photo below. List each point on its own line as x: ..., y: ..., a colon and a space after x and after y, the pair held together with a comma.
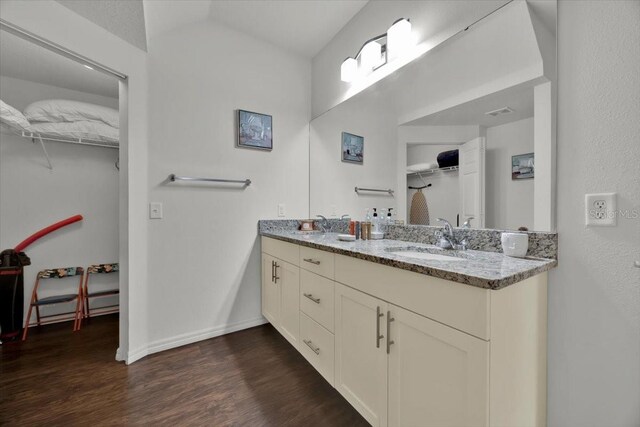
x: 70, y: 140
x: 431, y: 171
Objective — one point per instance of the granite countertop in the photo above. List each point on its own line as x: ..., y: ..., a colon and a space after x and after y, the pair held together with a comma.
x: 488, y: 270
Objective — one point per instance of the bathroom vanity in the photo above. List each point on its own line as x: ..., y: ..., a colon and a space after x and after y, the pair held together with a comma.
x: 411, y: 339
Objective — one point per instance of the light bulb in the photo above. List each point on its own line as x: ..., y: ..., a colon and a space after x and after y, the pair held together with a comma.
x: 399, y: 38
x: 349, y: 70
x: 371, y: 56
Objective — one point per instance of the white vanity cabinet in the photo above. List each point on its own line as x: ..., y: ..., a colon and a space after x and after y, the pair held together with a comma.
x: 438, y: 376
x: 361, y: 357
x: 407, y: 349
x: 281, y: 290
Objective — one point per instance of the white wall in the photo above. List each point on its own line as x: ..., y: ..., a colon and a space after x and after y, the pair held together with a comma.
x: 332, y: 180
x: 443, y: 197
x: 594, y: 293
x: 84, y: 181
x: 205, y: 254
x: 509, y: 203
x: 52, y: 21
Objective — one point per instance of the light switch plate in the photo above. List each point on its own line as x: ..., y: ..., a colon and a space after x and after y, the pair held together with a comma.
x: 281, y: 210
x: 155, y: 210
x: 600, y: 210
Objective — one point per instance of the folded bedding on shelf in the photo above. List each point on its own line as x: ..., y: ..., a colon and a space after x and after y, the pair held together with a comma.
x: 13, y: 118
x: 63, y: 110
x: 95, y: 131
x: 421, y: 167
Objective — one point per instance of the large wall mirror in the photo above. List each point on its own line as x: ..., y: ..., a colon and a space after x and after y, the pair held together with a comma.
x: 467, y: 129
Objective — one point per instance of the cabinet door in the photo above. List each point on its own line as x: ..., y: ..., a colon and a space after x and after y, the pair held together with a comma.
x: 270, y: 291
x: 438, y: 376
x: 287, y: 277
x: 361, y: 358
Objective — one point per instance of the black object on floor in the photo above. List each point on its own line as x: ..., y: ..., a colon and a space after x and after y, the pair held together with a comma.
x: 11, y: 293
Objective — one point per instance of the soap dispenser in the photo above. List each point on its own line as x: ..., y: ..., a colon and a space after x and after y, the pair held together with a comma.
x: 389, y: 217
x: 376, y: 223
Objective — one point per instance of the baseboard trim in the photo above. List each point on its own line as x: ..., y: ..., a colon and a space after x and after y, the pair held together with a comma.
x: 191, y: 337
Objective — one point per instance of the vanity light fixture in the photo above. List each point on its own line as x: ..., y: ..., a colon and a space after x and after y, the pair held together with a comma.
x: 376, y: 52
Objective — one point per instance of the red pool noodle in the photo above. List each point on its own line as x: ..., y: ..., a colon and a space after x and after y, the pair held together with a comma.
x: 35, y: 236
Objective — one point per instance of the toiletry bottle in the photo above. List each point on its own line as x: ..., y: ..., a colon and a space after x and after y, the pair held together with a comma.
x: 374, y: 223
x: 389, y: 217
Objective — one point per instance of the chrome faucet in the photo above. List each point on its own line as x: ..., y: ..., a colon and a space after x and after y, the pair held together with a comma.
x: 467, y: 223
x: 323, y: 223
x: 447, y: 239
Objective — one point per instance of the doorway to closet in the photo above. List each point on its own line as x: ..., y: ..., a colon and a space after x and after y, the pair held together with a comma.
x: 59, y: 161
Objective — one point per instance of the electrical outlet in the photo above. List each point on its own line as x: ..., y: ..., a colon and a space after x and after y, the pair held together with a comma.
x: 155, y: 210
x: 281, y: 210
x: 600, y: 209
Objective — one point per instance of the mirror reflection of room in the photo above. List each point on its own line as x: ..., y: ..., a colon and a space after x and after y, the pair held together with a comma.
x: 503, y: 126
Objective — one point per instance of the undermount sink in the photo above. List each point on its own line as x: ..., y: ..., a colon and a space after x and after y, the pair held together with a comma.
x: 410, y: 253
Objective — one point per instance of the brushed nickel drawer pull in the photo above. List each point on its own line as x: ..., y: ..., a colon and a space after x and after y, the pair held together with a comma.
x: 312, y: 261
x: 275, y: 274
x: 309, y: 344
x: 273, y: 270
x: 389, y: 341
x: 379, y: 314
x: 310, y: 296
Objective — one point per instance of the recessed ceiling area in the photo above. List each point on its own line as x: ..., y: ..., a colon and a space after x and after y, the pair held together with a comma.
x: 473, y: 113
x: 24, y: 60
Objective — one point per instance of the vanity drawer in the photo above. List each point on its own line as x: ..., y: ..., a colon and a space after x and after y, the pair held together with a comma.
x: 316, y: 298
x: 316, y: 261
x: 285, y: 251
x: 317, y: 346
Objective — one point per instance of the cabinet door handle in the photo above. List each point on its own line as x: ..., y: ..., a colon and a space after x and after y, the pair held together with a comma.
x: 273, y: 270
x: 310, y: 296
x: 379, y: 314
x: 309, y: 344
x: 389, y: 341
x: 312, y: 261
x: 275, y: 273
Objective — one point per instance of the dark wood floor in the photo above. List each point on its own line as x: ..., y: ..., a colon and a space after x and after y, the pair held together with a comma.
x: 248, y: 378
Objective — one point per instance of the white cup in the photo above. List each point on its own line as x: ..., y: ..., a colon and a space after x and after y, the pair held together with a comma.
x: 515, y: 244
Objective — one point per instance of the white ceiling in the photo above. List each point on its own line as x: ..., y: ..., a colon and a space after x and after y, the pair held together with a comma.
x: 124, y: 19
x: 24, y: 60
x: 546, y: 11
x: 300, y: 26
x: 303, y: 27
x: 519, y: 99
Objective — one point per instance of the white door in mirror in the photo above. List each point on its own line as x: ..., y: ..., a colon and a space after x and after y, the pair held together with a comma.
x: 600, y: 210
